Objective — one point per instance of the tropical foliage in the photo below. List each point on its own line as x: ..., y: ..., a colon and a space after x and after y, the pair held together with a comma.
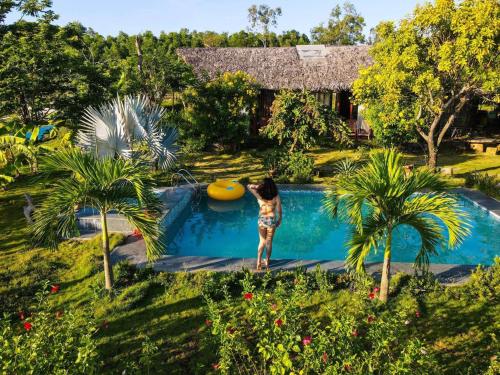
x: 44, y: 74
x: 380, y: 197
x: 298, y: 121
x: 428, y: 68
x: 218, y: 111
x: 129, y: 128
x: 345, y: 27
x: 268, y: 329
x: 47, y: 341
x: 488, y: 184
x: 295, y: 167
x: 105, y: 184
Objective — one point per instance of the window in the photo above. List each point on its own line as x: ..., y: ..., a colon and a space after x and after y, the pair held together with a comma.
x: 325, y: 98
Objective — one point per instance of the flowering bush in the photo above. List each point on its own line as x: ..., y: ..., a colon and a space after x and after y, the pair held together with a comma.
x: 271, y: 330
x: 42, y: 341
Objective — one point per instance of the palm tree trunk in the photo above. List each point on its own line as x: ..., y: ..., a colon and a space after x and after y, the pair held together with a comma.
x: 108, y: 269
x: 386, y: 269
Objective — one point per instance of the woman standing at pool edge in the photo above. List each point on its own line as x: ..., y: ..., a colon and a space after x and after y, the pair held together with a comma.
x: 270, y: 214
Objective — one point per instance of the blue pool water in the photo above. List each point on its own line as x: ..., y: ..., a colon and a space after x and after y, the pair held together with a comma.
x: 229, y: 229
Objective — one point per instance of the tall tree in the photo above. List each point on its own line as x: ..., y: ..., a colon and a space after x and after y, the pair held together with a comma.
x: 380, y: 197
x: 150, y: 66
x: 345, y: 27
x: 43, y: 74
x: 104, y: 184
x: 261, y: 18
x: 33, y: 8
x: 426, y: 69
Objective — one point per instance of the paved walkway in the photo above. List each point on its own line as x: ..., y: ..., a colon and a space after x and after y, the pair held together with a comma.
x: 134, y: 251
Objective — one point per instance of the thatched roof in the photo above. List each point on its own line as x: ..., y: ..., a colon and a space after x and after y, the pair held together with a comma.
x: 314, y: 68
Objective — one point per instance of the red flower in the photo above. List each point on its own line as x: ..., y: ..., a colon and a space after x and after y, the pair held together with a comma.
x: 215, y: 366
x: 347, y: 367
x: 355, y: 333
x: 376, y: 290
x: 307, y: 340
x: 27, y: 326
x: 208, y: 322
x: 418, y: 314
x: 231, y: 330
x: 370, y: 318
x: 278, y: 322
x: 59, y: 314
x: 248, y: 296
x: 324, y: 357
x: 371, y: 295
x: 136, y: 233
x: 55, y: 288
x: 21, y: 314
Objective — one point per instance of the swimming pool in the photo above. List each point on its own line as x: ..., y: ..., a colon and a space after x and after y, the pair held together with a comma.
x: 229, y: 229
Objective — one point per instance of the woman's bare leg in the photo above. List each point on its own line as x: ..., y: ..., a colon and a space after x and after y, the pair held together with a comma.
x: 262, y: 244
x: 269, y: 245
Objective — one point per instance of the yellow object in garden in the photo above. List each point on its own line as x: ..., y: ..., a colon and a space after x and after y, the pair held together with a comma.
x: 225, y: 190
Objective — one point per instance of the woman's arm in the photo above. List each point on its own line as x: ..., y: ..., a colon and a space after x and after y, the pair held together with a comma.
x: 280, y: 211
x: 253, y: 189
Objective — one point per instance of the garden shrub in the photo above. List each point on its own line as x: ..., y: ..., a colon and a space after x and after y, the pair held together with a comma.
x: 347, y: 166
x: 295, y: 167
x: 218, y: 111
x: 483, y: 284
x: 300, y: 168
x: 298, y: 121
x: 262, y: 332
x: 483, y: 182
x: 42, y: 341
x: 127, y: 274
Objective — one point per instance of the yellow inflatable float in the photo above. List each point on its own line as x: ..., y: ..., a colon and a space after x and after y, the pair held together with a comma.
x: 225, y: 190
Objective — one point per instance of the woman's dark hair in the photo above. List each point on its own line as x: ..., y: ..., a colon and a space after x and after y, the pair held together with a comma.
x: 268, y: 189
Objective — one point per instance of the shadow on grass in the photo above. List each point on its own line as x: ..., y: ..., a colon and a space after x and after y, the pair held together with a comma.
x: 173, y: 326
x: 461, y: 334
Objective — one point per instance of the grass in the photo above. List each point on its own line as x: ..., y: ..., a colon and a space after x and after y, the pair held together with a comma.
x: 248, y: 164
x: 170, y: 309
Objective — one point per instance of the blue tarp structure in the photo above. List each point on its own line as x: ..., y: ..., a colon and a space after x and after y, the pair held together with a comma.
x: 43, y: 130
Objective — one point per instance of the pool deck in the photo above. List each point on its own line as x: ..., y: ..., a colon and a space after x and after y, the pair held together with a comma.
x: 134, y: 251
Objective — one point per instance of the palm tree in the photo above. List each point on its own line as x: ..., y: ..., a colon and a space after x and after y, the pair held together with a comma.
x: 380, y: 196
x: 104, y: 184
x: 129, y: 127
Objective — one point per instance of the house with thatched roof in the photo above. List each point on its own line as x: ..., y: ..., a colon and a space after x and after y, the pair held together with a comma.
x: 328, y: 71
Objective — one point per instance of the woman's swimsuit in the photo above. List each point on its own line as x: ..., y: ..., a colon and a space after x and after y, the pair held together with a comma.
x: 268, y: 222
x: 264, y: 220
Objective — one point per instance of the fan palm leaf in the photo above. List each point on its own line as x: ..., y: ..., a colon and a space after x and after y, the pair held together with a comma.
x: 122, y: 126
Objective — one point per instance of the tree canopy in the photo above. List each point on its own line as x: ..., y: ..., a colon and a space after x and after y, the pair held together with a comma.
x: 427, y: 69
x: 345, y: 27
x: 44, y: 73
x: 261, y: 18
x: 298, y: 120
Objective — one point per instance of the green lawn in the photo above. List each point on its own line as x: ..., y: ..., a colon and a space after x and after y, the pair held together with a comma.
x: 248, y: 164
x: 170, y: 309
